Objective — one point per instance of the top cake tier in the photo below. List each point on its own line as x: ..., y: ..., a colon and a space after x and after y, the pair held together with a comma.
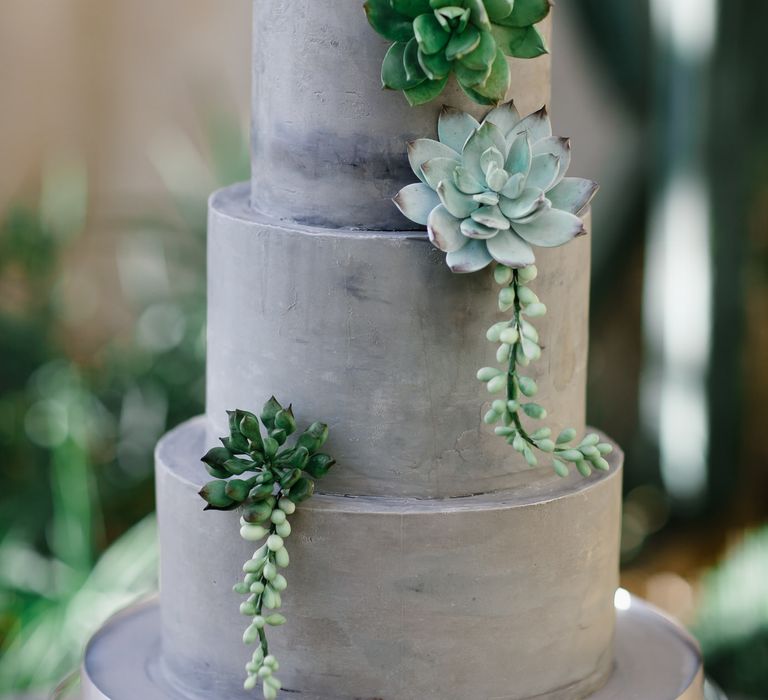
x: 328, y: 143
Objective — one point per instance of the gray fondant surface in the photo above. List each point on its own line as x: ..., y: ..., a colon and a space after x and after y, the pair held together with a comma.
x: 654, y: 660
x: 372, y: 333
x: 328, y: 144
x: 505, y: 595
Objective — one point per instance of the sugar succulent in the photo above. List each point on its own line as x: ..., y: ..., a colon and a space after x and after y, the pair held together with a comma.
x: 469, y: 38
x: 281, y: 477
x: 494, y: 190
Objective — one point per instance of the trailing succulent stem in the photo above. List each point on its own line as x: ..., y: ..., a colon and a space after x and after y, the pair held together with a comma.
x: 280, y: 478
x: 518, y: 347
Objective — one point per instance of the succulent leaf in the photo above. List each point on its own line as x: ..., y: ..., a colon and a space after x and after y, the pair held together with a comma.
x: 523, y: 205
x: 474, y: 229
x: 422, y: 150
x: 537, y: 125
x: 430, y: 34
x: 436, y: 170
x: 390, y: 24
x: 454, y: 127
x: 455, y: 201
x: 472, y: 257
x: 410, y: 8
x: 560, y: 147
x: 413, y: 70
x: 505, y: 116
x: 416, y: 202
x: 393, y: 73
x: 483, y: 54
x: 444, y: 230
x: 486, y: 136
x: 462, y: 43
x: 425, y: 92
x: 510, y: 250
x: 469, y: 78
x: 498, y: 9
x: 526, y: 13
x: 551, y: 229
x: 495, y: 87
x: 435, y: 66
x: 544, y: 169
x: 573, y: 194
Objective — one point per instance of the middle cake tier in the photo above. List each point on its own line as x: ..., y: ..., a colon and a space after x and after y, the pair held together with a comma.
x: 371, y: 332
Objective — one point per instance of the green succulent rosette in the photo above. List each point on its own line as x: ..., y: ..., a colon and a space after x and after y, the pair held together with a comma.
x: 494, y: 190
x: 470, y: 38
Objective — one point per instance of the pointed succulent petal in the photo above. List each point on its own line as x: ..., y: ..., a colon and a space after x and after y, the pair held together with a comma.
x: 505, y: 116
x: 444, y: 230
x: 430, y: 34
x: 537, y: 125
x: 425, y: 92
x: 413, y: 70
x: 390, y: 24
x: 560, y: 147
x: 510, y: 250
x: 573, y: 194
x: 553, y: 228
x: 496, y: 86
x: 491, y: 216
x: 523, y: 205
x: 474, y: 229
x: 455, y: 127
x: 542, y: 206
x: 435, y: 170
x: 422, y: 150
x: 473, y: 94
x: 459, y: 204
x: 416, y: 202
x: 519, y: 156
x: 527, y: 12
x: 514, y: 187
x: 498, y: 9
x: 461, y: 43
x: 466, y: 183
x: 487, y: 136
x: 544, y: 169
x: 472, y: 257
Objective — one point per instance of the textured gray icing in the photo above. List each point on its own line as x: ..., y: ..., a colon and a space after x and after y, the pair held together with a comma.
x: 504, y: 596
x: 372, y: 333
x: 328, y: 143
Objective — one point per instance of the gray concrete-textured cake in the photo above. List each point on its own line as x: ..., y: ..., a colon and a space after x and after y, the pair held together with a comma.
x: 435, y: 564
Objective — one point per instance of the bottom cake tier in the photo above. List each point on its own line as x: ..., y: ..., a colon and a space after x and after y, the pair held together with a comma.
x: 654, y: 659
x: 505, y: 595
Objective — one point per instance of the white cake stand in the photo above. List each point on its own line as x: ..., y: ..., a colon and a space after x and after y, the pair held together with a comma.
x: 655, y: 659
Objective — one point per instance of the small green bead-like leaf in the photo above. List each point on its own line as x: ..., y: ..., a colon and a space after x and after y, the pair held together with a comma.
x: 527, y: 386
x: 527, y: 274
x: 530, y: 457
x: 507, y: 300
x: 601, y: 464
x: 216, y: 457
x: 251, y: 429
x: 261, y: 492
x: 238, y: 466
x: 491, y: 417
x: 561, y: 469
x: 387, y: 22
x: 430, y: 34
x: 497, y: 384
x: 314, y: 437
x: 605, y: 448
x: 566, y: 436
x: 425, y: 92
x: 256, y: 513
x: 285, y: 421
x: 237, y: 489
x: 546, y: 445
x: 214, y: 493
x: 503, y: 353
x: 533, y: 410
x: 584, y: 469
x: 502, y: 274
x: 571, y: 455
x: 290, y: 479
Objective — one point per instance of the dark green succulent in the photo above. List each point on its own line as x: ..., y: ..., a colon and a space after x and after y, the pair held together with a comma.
x: 471, y: 38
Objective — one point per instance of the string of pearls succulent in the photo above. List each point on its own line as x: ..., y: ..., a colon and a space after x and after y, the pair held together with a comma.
x: 519, y: 346
x: 283, y: 476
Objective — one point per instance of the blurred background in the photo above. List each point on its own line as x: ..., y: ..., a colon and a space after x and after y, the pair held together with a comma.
x: 118, y: 119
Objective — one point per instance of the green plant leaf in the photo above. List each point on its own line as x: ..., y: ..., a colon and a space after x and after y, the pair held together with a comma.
x: 425, y: 92
x: 435, y: 66
x: 461, y: 43
x: 526, y: 13
x: 519, y: 42
x: 393, y: 73
x: 483, y: 55
x: 430, y: 34
x: 390, y: 24
x: 413, y: 70
x: 498, y: 9
x: 471, y: 78
x: 411, y: 8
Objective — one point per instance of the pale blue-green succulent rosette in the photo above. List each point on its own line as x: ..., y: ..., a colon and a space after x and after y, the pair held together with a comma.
x: 494, y: 190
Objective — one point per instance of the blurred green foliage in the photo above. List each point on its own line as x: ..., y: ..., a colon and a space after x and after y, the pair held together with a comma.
x: 77, y: 433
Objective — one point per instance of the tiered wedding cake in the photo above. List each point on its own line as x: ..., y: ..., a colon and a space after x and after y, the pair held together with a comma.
x: 435, y: 564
